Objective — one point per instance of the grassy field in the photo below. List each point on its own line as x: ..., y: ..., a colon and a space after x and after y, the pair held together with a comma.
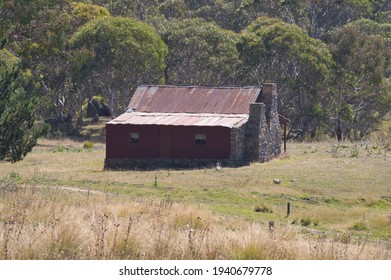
x: 58, y: 203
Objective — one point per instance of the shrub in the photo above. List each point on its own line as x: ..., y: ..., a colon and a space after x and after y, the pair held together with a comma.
x: 60, y: 149
x: 88, y: 145
x: 15, y: 176
x: 359, y: 226
x: 262, y: 209
x: 305, y: 222
x: 354, y: 152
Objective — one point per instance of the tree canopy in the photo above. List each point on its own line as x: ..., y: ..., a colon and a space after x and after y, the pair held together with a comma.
x: 17, y: 115
x: 277, y: 51
x: 331, y: 59
x: 361, y: 88
x: 200, y: 52
x: 123, y: 53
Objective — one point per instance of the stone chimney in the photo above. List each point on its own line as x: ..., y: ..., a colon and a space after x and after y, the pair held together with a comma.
x: 262, y: 136
x: 270, y: 99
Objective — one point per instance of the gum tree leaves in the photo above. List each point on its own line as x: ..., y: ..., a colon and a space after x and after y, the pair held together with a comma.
x: 124, y: 53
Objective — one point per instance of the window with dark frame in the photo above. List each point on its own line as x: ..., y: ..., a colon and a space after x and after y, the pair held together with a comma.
x: 200, y: 139
x: 134, y: 138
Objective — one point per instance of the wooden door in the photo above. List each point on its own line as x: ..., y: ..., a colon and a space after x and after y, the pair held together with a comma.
x: 165, y: 142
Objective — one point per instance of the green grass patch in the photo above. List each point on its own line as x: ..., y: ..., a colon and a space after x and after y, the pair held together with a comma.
x: 332, y: 191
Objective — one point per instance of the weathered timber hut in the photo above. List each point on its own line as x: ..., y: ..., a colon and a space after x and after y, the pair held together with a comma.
x: 190, y: 126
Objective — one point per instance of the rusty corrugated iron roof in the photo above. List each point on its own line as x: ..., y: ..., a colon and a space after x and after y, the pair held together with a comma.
x: 194, y: 99
x: 181, y: 119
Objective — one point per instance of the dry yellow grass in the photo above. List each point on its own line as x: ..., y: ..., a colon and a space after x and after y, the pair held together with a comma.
x: 50, y: 223
x: 335, y: 190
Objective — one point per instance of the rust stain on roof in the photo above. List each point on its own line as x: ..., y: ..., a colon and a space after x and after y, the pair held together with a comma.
x: 181, y: 119
x: 194, y: 99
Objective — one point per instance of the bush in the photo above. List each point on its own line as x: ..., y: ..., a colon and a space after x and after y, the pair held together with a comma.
x: 88, y: 145
x: 359, y: 226
x: 262, y: 209
x: 305, y: 222
x: 354, y: 152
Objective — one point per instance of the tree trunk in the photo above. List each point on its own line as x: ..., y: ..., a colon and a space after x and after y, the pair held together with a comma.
x: 338, y: 130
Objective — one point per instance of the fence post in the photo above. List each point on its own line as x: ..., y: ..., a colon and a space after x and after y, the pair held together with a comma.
x: 271, y: 225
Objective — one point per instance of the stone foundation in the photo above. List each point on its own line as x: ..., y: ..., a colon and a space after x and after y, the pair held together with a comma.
x: 165, y: 163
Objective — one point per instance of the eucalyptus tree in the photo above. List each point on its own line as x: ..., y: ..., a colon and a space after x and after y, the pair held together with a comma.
x: 17, y: 16
x: 56, y: 64
x: 40, y: 38
x: 325, y: 16
x: 361, y: 81
x: 274, y: 51
x: 200, y: 52
x: 118, y: 55
x: 140, y: 9
x: 318, y: 18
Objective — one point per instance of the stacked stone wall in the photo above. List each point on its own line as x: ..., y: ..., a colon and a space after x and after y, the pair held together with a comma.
x: 263, y: 131
x: 274, y: 120
x: 238, y: 144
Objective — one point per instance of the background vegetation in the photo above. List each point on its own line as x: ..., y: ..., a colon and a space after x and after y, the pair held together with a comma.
x: 331, y: 59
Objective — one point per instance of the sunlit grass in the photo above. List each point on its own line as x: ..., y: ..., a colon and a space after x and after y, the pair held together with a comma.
x: 59, y: 224
x: 329, y: 191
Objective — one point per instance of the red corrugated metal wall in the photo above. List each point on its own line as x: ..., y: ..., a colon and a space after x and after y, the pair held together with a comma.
x: 166, y: 142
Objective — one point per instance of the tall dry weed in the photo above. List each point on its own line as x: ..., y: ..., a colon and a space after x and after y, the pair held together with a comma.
x: 46, y: 223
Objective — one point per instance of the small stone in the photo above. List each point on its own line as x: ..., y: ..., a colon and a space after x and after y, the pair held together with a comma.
x: 276, y: 181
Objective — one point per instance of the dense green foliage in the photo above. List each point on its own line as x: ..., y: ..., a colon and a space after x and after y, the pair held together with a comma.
x: 199, y: 53
x: 122, y: 53
x: 361, y: 91
x: 17, y: 115
x: 331, y: 59
x: 276, y: 51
